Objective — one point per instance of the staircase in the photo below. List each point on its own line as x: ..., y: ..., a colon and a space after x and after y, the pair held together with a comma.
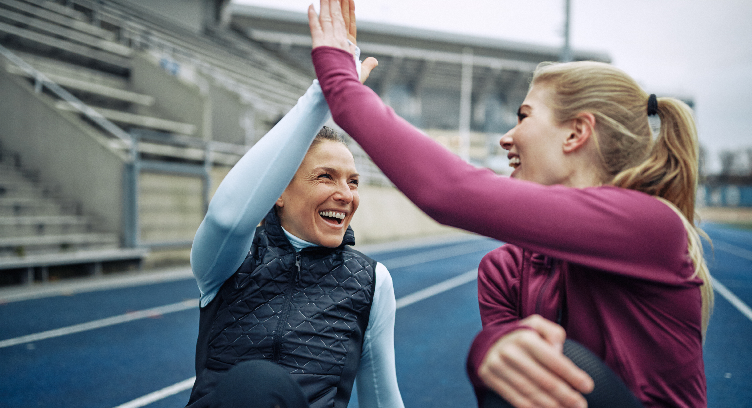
x: 182, y: 103
x: 41, y: 231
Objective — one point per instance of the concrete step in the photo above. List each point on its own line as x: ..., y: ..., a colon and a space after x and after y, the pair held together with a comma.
x: 62, y: 10
x: 48, y: 11
x: 131, y: 119
x: 48, y: 244
x: 56, y: 66
x: 20, y: 226
x: 30, y: 206
x: 46, y: 43
x: 16, y: 186
x: 73, y: 257
x: 41, y: 267
x: 73, y: 84
x: 48, y: 28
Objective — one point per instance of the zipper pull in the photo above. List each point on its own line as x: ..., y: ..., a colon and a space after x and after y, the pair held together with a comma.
x: 297, y: 267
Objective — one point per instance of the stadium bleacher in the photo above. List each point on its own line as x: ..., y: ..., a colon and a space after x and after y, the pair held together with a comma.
x: 151, y: 106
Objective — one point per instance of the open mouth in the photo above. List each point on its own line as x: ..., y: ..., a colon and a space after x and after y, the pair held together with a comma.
x: 333, y: 216
x: 514, y: 162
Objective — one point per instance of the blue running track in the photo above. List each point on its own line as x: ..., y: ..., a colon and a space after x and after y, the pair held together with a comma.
x: 129, y: 341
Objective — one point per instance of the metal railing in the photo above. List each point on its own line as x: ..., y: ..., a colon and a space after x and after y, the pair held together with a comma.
x: 134, y: 165
x: 41, y: 82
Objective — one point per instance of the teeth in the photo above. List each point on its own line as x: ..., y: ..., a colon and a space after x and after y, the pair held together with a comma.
x: 332, y: 214
x: 514, y: 162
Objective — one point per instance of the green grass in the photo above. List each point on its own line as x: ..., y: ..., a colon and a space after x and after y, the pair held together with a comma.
x: 739, y: 225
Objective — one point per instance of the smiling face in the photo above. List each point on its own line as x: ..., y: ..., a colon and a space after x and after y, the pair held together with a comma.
x: 318, y: 204
x: 535, y: 145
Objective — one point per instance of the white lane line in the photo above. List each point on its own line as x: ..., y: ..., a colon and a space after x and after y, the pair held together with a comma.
x: 83, y: 285
x: 438, y: 288
x: 159, y: 395
x: 721, y: 289
x: 733, y: 250
x: 75, y: 286
x: 735, y: 301
x: 96, y: 324
x: 422, y: 294
x: 441, y: 287
x: 433, y: 255
x: 394, y: 263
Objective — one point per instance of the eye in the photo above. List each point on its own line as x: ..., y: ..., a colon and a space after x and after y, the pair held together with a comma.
x: 355, y: 182
x: 325, y: 176
x: 521, y: 116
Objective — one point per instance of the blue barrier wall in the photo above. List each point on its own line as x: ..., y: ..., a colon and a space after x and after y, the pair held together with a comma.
x: 729, y: 195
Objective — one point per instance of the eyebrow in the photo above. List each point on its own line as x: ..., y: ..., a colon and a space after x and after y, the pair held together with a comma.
x: 333, y: 170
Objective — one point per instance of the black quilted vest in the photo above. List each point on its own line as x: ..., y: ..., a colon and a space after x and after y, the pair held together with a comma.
x: 307, y: 312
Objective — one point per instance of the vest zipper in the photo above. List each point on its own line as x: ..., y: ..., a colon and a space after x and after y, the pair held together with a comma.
x: 297, y: 267
x: 277, y: 344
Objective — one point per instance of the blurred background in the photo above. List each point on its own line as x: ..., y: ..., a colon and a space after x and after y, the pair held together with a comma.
x: 119, y: 118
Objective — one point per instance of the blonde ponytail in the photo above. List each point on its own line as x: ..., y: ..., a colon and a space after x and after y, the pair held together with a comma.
x: 694, y: 245
x: 670, y: 170
x: 670, y: 173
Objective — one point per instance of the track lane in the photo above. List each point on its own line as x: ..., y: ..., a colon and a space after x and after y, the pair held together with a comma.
x: 115, y: 365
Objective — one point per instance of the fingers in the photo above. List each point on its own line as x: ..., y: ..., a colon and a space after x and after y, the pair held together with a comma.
x: 352, y: 30
x: 325, y: 16
x: 345, y: 10
x: 366, y: 67
x: 317, y: 35
x: 347, y: 15
x: 550, y: 331
x: 508, y: 376
x: 556, y: 374
x: 555, y: 335
x: 328, y: 28
x: 526, y: 370
x: 337, y: 20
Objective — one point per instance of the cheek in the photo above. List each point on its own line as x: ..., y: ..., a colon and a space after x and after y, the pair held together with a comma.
x: 356, y: 201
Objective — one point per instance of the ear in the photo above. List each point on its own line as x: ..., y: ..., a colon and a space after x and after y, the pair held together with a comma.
x: 582, y: 128
x: 280, y: 202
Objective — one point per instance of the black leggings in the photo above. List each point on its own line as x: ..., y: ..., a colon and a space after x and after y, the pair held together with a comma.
x: 609, y: 389
x: 258, y: 384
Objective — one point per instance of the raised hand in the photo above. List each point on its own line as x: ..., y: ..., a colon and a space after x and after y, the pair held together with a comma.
x: 328, y: 29
x: 335, y: 27
x: 527, y: 368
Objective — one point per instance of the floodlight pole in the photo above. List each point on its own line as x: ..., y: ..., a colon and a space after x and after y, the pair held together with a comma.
x: 566, y: 52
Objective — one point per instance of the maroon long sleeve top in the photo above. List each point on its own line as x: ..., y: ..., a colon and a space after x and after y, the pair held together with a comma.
x: 609, y: 264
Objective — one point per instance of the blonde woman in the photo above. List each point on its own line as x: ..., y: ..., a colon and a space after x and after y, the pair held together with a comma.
x: 598, y: 217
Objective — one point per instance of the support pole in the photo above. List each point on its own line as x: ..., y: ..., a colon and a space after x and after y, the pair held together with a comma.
x: 566, y: 51
x: 466, y: 103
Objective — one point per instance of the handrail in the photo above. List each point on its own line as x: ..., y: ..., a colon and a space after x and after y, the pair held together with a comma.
x: 40, y: 81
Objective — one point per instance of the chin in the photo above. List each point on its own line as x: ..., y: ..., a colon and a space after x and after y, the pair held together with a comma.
x: 331, y: 241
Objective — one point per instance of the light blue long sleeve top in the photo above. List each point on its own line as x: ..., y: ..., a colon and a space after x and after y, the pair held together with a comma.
x: 242, y: 200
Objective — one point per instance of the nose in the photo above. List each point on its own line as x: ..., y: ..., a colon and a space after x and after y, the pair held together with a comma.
x: 506, y: 140
x: 343, y: 193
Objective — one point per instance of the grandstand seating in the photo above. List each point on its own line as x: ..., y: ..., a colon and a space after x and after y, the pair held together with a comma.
x: 39, y: 229
x: 171, y: 95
